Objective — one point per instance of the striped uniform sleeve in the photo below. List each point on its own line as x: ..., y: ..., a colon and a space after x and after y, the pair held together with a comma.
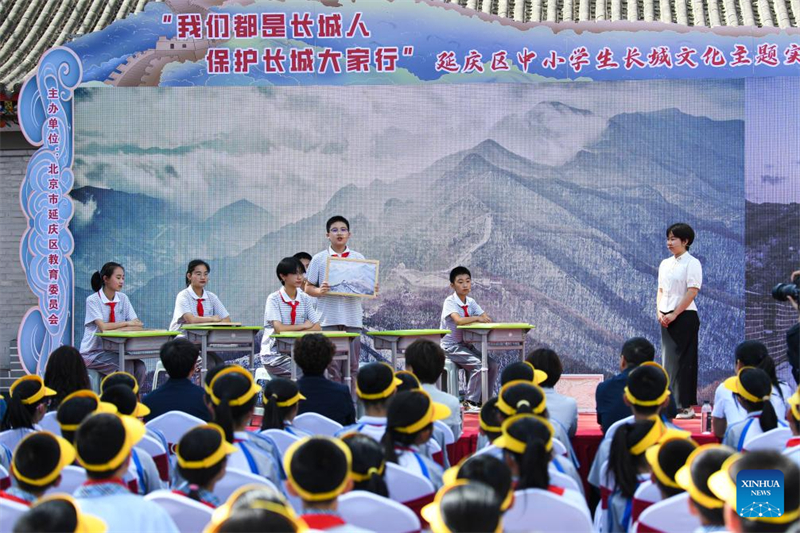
x: 219, y: 309
x: 316, y: 270
x: 475, y: 309
x: 311, y: 312
x: 272, y: 311
x: 184, y: 304
x: 129, y: 314
x: 94, y: 310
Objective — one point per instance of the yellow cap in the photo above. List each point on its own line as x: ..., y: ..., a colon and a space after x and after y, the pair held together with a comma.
x: 225, y: 449
x: 651, y: 454
x: 134, y: 432
x: 735, y: 384
x: 683, y: 477
x: 118, y: 373
x: 42, y: 392
x: 241, y: 400
x: 66, y: 457
x: 86, y: 523
x: 102, y: 407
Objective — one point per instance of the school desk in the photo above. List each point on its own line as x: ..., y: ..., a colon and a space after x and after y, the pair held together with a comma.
x: 342, y: 340
x: 495, y: 337
x: 398, y: 340
x: 132, y: 345
x: 224, y: 337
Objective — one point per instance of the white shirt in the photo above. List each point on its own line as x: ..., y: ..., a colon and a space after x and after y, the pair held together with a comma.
x: 454, y: 420
x: 726, y: 406
x: 129, y: 512
x: 97, y: 308
x: 675, y: 276
x: 186, y: 302
x: 278, y: 308
x: 335, y: 310
x: 453, y: 304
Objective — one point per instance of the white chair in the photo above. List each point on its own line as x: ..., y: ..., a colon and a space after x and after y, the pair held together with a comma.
x: 376, y: 513
x: 157, y: 374
x: 72, y: 477
x: 155, y: 449
x: 670, y: 515
x: 545, y: 512
x: 646, y: 495
x: 406, y: 486
x: 173, y: 425
x: 449, y: 438
x: 5, y: 479
x: 10, y: 511
x: 261, y: 378
x: 50, y: 423
x: 774, y: 439
x: 451, y: 370
x: 564, y: 481
x: 559, y: 448
x: 94, y: 380
x: 235, y: 478
x: 190, y: 516
x: 316, y: 424
x: 601, y: 512
x: 282, y: 439
x: 10, y: 438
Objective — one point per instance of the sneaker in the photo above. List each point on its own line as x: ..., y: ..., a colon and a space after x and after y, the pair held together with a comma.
x: 685, y: 414
x: 470, y: 407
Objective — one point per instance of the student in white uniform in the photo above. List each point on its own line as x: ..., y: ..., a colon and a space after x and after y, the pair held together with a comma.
x: 459, y: 310
x: 318, y: 472
x: 466, y: 506
x: 194, y: 304
x: 409, y: 426
x: 376, y: 387
x: 693, y: 478
x: 38, y: 461
x: 726, y: 409
x: 202, y: 457
x: 489, y: 422
x: 27, y: 405
x: 490, y: 471
x: 752, y: 389
x: 666, y: 458
x: 369, y: 465
x: 103, y: 444
x: 339, y: 313
x: 107, y: 309
x: 287, y: 309
x: 77, y: 406
x: 793, y: 419
x: 281, y: 402
x: 255, y: 508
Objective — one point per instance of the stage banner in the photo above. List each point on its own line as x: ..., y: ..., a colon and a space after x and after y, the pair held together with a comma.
x: 446, y: 136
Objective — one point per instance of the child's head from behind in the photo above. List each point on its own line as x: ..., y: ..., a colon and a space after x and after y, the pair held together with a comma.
x: 290, y: 272
x: 464, y: 507
x: 461, y: 280
x: 39, y: 459
x: 202, y: 455
x: 318, y: 470
x: 375, y: 387
x: 337, y: 229
x: 369, y: 464
x: 103, y: 444
x: 179, y: 358
x: 313, y: 353
x: 647, y: 389
x: 426, y: 360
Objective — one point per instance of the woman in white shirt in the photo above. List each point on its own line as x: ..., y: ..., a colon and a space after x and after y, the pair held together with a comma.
x: 679, y: 280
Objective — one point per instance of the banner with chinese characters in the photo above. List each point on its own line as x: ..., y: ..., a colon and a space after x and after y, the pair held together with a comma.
x: 123, y: 164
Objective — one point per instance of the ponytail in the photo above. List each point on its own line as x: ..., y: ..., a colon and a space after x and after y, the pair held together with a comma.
x: 273, y: 415
x: 768, y: 365
x: 18, y: 415
x: 768, y: 419
x: 374, y: 484
x: 98, y: 278
x: 533, y: 465
x: 223, y: 416
x: 387, y: 441
x: 622, y: 463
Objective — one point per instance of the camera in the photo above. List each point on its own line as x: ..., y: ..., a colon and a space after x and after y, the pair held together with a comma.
x: 783, y: 291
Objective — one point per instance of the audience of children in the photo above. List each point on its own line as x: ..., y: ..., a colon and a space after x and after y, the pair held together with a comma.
x: 752, y: 389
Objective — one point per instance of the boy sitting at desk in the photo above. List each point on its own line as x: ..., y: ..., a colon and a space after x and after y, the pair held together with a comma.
x: 287, y: 309
x: 459, y: 310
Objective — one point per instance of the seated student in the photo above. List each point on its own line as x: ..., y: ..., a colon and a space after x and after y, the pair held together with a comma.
x: 627, y: 468
x: 723, y: 485
x: 27, y: 405
x: 202, y: 455
x: 58, y: 514
x: 459, y: 310
x: 488, y: 470
x: 287, y: 309
x: 143, y: 467
x: 38, y: 461
x: 368, y: 466
x: 313, y: 354
x: 727, y: 410
x: 752, y: 389
x: 521, y: 371
x: 489, y: 423
x: 409, y: 426
x: 527, y: 444
x: 375, y: 387
x: 120, y: 378
x: 793, y: 419
x: 609, y: 394
x: 231, y: 396
x: 409, y: 381
x: 103, y: 444
x: 194, y: 304
x: 107, y: 309
x: 77, y: 406
x: 463, y: 508
x: 666, y: 458
x: 255, y: 507
x: 318, y: 472
x: 693, y: 478
x: 562, y: 409
x: 426, y: 361
x: 178, y: 393
x: 65, y: 373
x: 281, y: 399
x: 647, y: 394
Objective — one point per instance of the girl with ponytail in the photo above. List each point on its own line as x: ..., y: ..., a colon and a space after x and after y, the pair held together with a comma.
x: 202, y: 455
x: 107, y: 309
x: 27, y: 403
x: 194, y: 304
x: 727, y: 410
x: 627, y: 468
x: 752, y: 388
x: 369, y: 465
x: 231, y: 396
x: 281, y: 402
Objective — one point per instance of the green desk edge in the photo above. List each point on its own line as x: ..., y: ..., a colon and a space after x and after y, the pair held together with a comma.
x: 138, y: 334
x: 222, y: 328
x: 496, y: 325
x: 408, y: 332
x: 298, y: 334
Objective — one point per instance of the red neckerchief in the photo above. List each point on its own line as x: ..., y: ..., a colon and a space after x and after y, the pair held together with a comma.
x: 322, y: 521
x: 111, y: 306
x: 559, y: 491
x: 794, y: 441
x: 200, y: 309
x: 6, y: 496
x: 343, y: 255
x: 293, y: 305
x: 466, y: 309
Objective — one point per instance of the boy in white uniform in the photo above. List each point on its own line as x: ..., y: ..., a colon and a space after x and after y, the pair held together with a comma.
x: 288, y: 309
